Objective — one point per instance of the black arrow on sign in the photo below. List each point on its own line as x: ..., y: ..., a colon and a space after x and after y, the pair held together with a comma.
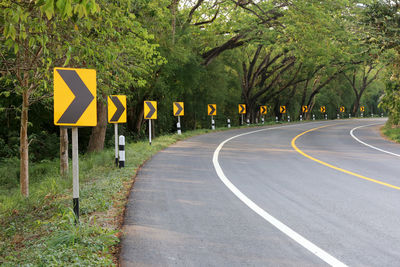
x: 83, y: 97
x: 152, y: 110
x: 179, y: 109
x: 212, y: 109
x: 120, y: 108
x: 263, y: 111
x: 243, y: 108
x: 283, y: 109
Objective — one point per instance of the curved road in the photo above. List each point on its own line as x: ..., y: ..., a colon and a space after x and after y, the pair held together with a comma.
x: 310, y: 194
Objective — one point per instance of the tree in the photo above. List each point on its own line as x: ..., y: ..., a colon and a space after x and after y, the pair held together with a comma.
x: 360, y: 79
x: 29, y: 32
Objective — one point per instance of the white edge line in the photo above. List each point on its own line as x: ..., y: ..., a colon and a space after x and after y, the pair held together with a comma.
x: 368, y: 145
x: 320, y: 253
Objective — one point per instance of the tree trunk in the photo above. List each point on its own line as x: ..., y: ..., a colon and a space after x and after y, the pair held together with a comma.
x: 96, y: 141
x: 64, y: 151
x: 139, y: 121
x: 356, y: 105
x: 173, y: 11
x: 24, y: 156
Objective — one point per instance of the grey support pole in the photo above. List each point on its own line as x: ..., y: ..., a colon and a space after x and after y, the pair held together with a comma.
x: 349, y: 116
x: 338, y: 116
x: 248, y: 122
x: 326, y: 116
x: 301, y: 117
x: 262, y: 120
x: 313, y: 117
x: 75, y: 173
x: 121, y: 151
x: 229, y: 123
x: 212, y: 123
x: 242, y: 120
x: 150, y: 131
x: 178, y: 125
x: 288, y: 118
x: 276, y: 119
x: 116, y: 143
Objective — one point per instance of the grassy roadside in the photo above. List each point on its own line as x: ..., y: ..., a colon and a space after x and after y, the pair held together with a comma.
x: 40, y: 230
x: 392, y: 133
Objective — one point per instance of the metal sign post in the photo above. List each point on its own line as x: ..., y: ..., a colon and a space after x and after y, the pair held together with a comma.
x: 150, y: 132
x: 81, y: 110
x: 116, y: 110
x: 116, y: 143
x: 75, y: 173
x: 178, y: 125
x: 150, y: 113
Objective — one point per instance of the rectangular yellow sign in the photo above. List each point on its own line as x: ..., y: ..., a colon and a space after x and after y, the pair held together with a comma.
x: 179, y: 109
x: 323, y: 109
x: 116, y: 109
x: 212, y: 109
x: 282, y: 109
x: 242, y: 108
x: 304, y: 109
x: 150, y: 110
x: 263, y: 110
x: 75, y: 102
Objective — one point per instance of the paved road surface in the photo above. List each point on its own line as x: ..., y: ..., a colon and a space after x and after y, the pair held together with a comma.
x: 180, y: 213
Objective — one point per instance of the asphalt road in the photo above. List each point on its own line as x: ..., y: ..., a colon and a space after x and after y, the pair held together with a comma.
x: 324, y: 198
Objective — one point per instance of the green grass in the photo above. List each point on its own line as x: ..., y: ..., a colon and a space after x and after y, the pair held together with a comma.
x: 392, y: 132
x: 40, y: 230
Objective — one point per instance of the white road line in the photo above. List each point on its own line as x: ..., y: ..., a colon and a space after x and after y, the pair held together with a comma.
x: 323, y: 255
x: 368, y: 145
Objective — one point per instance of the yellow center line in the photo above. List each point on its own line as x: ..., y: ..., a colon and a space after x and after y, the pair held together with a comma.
x: 334, y: 167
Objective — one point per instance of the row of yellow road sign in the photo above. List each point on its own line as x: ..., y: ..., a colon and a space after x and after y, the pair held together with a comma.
x: 75, y: 101
x: 150, y: 109
x: 304, y: 109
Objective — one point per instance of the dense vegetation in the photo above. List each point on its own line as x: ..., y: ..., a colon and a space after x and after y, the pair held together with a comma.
x: 273, y: 53
x: 269, y: 52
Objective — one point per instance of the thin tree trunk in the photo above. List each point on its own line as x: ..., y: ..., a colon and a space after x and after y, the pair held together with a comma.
x: 139, y: 121
x: 64, y: 151
x: 173, y: 11
x: 96, y: 141
x: 24, y: 156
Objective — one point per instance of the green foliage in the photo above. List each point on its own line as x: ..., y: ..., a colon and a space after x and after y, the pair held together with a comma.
x: 392, y: 132
x: 390, y: 101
